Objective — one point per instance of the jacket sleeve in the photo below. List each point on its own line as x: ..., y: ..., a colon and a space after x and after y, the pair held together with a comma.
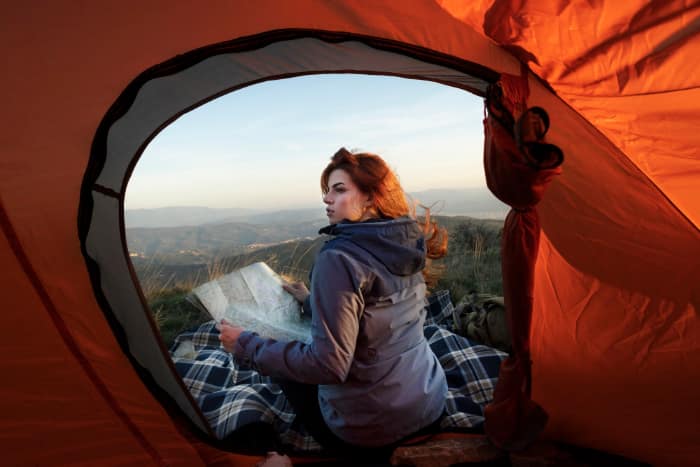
x: 337, y: 304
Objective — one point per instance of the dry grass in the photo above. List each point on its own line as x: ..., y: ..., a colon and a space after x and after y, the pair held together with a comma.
x: 167, y: 295
x: 472, y: 264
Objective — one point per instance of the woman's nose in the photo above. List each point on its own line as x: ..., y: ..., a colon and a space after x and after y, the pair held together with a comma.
x: 327, y: 198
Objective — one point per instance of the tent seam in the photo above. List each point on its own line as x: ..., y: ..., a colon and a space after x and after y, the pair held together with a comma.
x: 634, y: 94
x: 67, y: 337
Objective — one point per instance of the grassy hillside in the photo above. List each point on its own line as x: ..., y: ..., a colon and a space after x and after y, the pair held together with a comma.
x: 204, y: 243
x: 472, y: 263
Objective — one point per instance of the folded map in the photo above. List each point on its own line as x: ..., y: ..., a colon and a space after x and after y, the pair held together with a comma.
x: 252, y: 297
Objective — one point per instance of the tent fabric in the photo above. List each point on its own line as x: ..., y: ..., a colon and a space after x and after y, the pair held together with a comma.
x: 615, y: 307
x: 513, y: 419
x: 626, y: 69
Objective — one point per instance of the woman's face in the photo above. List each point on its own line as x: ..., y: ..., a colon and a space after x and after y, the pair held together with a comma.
x: 344, y: 199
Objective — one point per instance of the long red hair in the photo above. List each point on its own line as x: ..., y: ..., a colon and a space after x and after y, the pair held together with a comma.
x: 373, y: 177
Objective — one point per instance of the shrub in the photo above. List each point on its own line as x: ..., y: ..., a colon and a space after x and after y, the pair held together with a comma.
x: 473, y: 261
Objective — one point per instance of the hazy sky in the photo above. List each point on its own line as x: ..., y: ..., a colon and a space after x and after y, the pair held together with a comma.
x: 265, y: 146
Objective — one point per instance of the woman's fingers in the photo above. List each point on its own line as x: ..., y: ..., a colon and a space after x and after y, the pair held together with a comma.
x: 289, y: 286
x: 297, y: 289
x: 229, y: 335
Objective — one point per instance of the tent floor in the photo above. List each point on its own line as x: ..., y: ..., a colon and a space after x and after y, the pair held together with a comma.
x: 441, y: 450
x: 448, y: 449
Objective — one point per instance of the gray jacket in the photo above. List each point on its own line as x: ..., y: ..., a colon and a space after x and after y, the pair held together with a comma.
x: 378, y: 379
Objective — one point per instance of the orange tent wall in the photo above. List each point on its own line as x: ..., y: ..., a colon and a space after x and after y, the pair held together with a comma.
x: 615, y: 332
x: 611, y: 366
x: 627, y: 68
x: 55, y: 407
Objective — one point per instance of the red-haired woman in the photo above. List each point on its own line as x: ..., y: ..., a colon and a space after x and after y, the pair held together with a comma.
x: 368, y: 376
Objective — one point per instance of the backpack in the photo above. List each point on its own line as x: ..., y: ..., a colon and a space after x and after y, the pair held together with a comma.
x: 482, y: 318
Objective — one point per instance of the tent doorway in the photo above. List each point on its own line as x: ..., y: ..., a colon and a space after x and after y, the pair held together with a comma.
x: 161, y: 95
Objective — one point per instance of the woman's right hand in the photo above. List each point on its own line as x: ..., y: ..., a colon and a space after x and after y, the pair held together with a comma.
x: 229, y: 334
x: 297, y: 289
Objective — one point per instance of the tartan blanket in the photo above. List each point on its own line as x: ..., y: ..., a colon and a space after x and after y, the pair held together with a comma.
x: 232, y: 396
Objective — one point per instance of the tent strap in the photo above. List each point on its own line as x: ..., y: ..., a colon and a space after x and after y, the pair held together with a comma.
x: 516, y: 175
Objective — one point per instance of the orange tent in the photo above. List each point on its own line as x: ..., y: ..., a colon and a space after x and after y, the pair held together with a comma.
x: 615, y: 327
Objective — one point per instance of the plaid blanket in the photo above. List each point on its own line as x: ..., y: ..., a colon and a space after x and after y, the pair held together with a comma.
x: 232, y: 396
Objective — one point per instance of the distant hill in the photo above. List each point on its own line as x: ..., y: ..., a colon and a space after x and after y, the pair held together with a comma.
x: 202, y: 243
x: 280, y: 217
x: 472, y: 202
x: 176, y: 216
x: 292, y: 259
x: 462, y: 271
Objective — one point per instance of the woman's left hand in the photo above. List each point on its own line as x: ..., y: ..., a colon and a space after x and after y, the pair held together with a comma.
x: 297, y: 289
x: 229, y: 334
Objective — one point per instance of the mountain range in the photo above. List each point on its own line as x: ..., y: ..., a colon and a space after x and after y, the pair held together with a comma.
x: 472, y: 202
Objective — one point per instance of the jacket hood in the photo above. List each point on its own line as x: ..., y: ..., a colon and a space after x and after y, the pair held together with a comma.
x: 399, y: 243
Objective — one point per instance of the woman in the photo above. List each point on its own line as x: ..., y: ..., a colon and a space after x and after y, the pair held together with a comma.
x: 370, y: 378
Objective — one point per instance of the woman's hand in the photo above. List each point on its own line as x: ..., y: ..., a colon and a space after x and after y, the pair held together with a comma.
x: 229, y: 334
x: 297, y: 289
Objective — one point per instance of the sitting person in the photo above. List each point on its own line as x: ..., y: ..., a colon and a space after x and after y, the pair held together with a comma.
x: 368, y: 378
